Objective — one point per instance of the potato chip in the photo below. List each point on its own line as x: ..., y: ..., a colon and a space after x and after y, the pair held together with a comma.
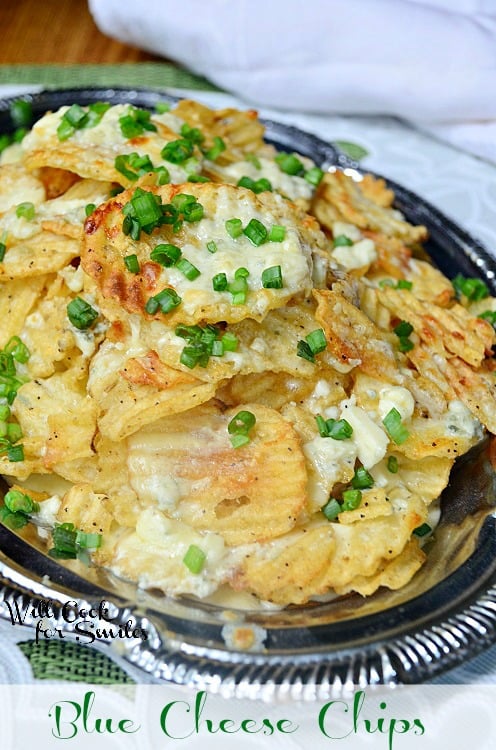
x: 244, y: 494
x: 194, y: 298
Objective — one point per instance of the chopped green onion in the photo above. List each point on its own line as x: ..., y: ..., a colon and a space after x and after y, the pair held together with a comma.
x: 392, y: 464
x: 342, y: 241
x: 403, y: 329
x: 422, y: 530
x: 303, y: 350
x: 337, y: 429
x: 257, y: 186
x: 81, y: 314
x: 472, y: 289
x: 166, y: 300
x: 64, y: 538
x: 314, y: 176
x: 4, y: 412
x: 217, y: 348
x: 215, y: 151
x: 17, y: 349
x: 13, y: 520
x: 219, y: 282
x: 188, y: 269
x: 229, y: 341
x: 234, y: 227
x: 383, y: 283
x: 76, y: 116
x: 362, y: 479
x: 14, y: 432
x: 198, y: 178
x: 132, y: 263
x: 192, y: 134
x: 331, y: 509
x: 193, y: 212
x: 241, y: 273
x: 131, y: 227
x: 194, y: 559
x: 394, y: 427
x: 182, y: 200
x: 95, y: 113
x: 340, y: 430
x: 289, y: 164
x: 242, y: 422
x: 135, y: 122
x: 165, y: 254
x: 316, y: 340
x: 17, y: 501
x: 272, y: 278
x: 21, y: 113
x: 211, y: 247
x: 277, y: 233
x: 15, y: 453
x: 163, y: 176
x: 3, y: 248
x: 162, y: 107
x: 351, y: 499
x: 26, y: 211
x: 178, y: 151
x: 238, y: 288
x: 404, y: 284
x: 256, y: 232
x: 89, y: 208
x: 237, y: 441
x: 88, y: 540
x: 405, y: 344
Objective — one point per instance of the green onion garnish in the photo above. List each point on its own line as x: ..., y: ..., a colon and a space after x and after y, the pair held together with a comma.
x: 21, y: 113
x: 239, y: 427
x: 211, y: 247
x: 234, y: 227
x: 362, y: 480
x: 277, y: 233
x: 229, y: 341
x: 331, y: 509
x: 342, y: 241
x: 81, y: 314
x: 272, y: 278
x: 194, y: 559
x: 316, y: 340
x: 404, y: 284
x: 178, y: 151
x: 25, y: 210
x: 162, y: 107
x: 239, y: 288
x: 392, y: 464
x: 257, y: 186
x: 188, y: 269
x: 219, y: 282
x: 351, y: 499
x: 289, y: 164
x: 193, y: 212
x: 394, y: 427
x: 314, y: 176
x: 472, y: 289
x: 403, y: 329
x: 256, y: 232
x: 192, y: 134
x: 490, y: 316
x: 135, y: 122
x: 89, y: 208
x: 166, y: 300
x: 337, y: 429
x: 422, y: 530
x: 17, y: 501
x: 303, y: 350
x: 132, y: 263
x: 253, y: 159
x: 165, y: 254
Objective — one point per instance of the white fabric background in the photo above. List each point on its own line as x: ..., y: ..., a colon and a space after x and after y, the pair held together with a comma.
x: 430, y: 61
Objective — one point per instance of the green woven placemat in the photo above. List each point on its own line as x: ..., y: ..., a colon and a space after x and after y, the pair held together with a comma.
x: 63, y: 660
x: 130, y: 75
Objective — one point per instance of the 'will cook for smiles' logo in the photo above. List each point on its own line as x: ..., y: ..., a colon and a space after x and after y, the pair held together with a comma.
x: 86, y: 624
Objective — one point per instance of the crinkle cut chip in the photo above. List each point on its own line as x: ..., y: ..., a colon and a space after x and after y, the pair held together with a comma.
x: 247, y: 494
x: 106, y: 246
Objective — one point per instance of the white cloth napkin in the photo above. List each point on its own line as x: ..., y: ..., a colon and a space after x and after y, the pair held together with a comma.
x: 432, y: 62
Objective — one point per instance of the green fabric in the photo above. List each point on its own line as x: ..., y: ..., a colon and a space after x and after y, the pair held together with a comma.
x: 64, y: 660
x: 128, y: 75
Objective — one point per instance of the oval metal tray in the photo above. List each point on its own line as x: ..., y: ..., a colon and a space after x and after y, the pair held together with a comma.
x: 444, y: 616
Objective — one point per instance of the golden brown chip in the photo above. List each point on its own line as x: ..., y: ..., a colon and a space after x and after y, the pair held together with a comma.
x: 133, y: 392
x: 353, y: 338
x: 43, y: 253
x: 17, y: 297
x: 283, y: 570
x: 106, y: 246
x: 340, y: 198
x: 18, y: 185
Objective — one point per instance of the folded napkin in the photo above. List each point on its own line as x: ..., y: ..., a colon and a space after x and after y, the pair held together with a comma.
x: 432, y: 62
